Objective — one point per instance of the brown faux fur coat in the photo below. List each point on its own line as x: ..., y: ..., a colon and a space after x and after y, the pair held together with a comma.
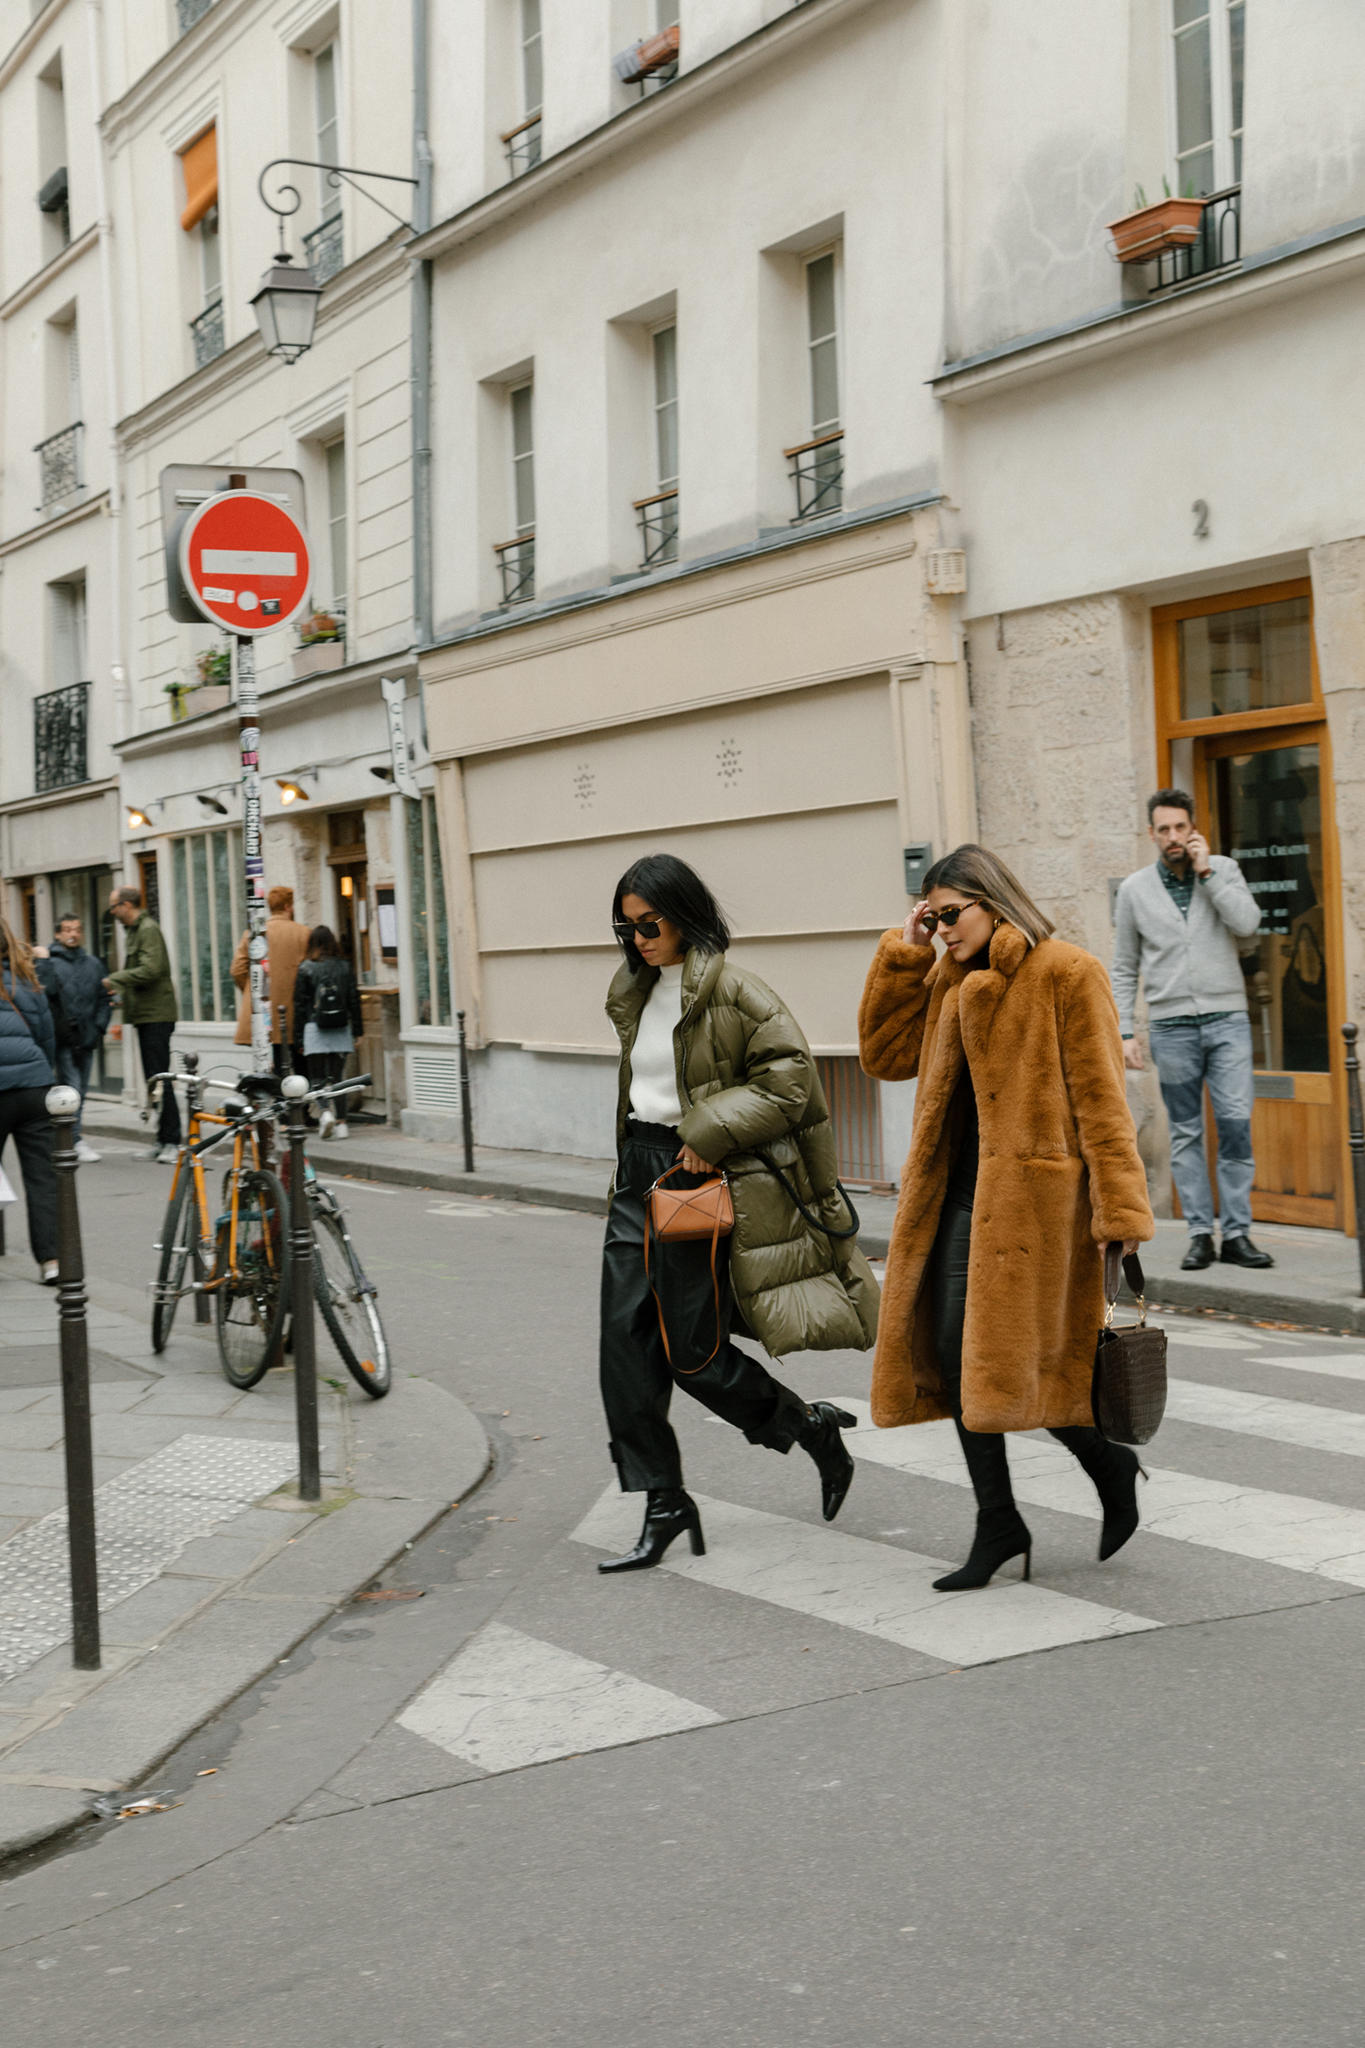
x: 1059, y: 1175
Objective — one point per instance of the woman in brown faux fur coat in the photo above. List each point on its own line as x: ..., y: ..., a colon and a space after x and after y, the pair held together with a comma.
x: 1023, y: 1165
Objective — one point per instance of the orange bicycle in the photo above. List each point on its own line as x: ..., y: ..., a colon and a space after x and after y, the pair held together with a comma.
x: 240, y: 1256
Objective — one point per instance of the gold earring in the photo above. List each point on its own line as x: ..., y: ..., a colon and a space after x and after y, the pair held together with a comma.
x: 998, y: 922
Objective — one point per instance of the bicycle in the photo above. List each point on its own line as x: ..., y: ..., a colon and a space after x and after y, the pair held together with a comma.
x: 241, y: 1256
x: 342, y: 1289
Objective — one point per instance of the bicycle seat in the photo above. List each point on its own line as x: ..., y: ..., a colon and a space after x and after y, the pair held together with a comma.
x: 264, y: 1087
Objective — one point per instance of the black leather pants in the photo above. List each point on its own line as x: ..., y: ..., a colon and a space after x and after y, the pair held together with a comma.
x: 983, y: 1450
x: 637, y: 1382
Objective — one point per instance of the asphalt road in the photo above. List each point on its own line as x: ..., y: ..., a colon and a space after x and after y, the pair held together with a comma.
x: 778, y: 1795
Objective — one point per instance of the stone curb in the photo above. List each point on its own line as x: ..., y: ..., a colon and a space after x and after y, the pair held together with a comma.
x: 415, y: 1455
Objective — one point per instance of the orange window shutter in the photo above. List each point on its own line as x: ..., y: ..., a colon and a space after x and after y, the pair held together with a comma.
x: 200, y: 162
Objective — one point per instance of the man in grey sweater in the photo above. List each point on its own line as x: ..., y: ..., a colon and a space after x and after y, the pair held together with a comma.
x: 1178, y: 923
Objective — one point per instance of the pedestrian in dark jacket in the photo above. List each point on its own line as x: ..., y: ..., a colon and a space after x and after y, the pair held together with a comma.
x: 74, y: 980
x: 147, y: 993
x: 327, y: 1018
x: 27, y: 1051
x: 715, y: 1073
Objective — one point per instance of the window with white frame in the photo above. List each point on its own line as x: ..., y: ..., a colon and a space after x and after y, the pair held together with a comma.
x: 338, y: 525
x: 210, y: 259
x: 206, y: 921
x: 1208, y: 45
x: 68, y: 633
x: 822, y: 325
x: 326, y: 100
x: 532, y: 83
x: 428, y: 931
x: 520, y: 402
x: 666, y: 405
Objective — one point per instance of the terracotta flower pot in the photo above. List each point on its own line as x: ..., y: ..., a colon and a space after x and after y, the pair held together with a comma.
x: 1170, y: 224
x: 319, y: 656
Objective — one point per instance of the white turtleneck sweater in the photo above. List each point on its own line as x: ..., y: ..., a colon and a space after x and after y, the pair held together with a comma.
x: 653, y: 1069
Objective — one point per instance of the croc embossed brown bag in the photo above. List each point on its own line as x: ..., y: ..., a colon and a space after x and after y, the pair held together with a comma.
x: 1128, y: 1391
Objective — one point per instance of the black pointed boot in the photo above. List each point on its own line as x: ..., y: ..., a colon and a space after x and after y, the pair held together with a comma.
x: 819, y: 1437
x: 668, y: 1512
x: 1001, y: 1531
x: 1113, y: 1470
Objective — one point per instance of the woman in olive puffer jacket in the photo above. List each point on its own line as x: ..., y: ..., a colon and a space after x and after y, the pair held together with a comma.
x: 716, y: 1074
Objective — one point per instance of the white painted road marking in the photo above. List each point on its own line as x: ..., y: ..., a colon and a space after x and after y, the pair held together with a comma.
x: 1302, y: 1423
x: 872, y: 1587
x: 508, y: 1700
x: 1286, y: 1529
x: 1340, y: 1365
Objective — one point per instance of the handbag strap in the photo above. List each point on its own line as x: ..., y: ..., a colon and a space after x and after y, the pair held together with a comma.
x: 814, y: 1221
x: 686, y: 1370
x: 1132, y: 1272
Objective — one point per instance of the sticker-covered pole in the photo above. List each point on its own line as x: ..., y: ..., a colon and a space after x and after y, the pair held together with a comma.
x: 253, y: 851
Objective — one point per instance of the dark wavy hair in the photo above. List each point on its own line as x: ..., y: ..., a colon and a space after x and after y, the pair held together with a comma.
x: 322, y: 943
x: 673, y: 889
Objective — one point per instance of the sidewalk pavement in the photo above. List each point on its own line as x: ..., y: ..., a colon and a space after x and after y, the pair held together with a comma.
x: 1314, y: 1283
x: 211, y: 1568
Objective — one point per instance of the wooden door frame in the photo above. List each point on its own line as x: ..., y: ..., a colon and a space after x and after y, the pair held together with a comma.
x: 1285, y: 725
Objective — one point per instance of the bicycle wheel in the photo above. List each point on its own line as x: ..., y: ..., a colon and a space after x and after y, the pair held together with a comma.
x: 348, y: 1309
x: 177, y: 1243
x: 253, y: 1299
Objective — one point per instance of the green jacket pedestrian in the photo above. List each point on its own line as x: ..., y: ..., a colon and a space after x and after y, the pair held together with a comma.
x: 715, y: 1073
x: 146, y: 994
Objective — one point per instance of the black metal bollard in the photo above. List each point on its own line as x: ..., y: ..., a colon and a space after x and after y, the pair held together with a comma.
x: 466, y: 1107
x: 1356, y: 1124
x: 294, y: 1089
x: 63, y: 1106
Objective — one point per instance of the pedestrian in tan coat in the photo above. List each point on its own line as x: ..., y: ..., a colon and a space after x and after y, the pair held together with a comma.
x: 1023, y: 1166
x: 287, y: 943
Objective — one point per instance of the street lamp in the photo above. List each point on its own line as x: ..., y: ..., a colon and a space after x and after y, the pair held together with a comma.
x: 286, y: 300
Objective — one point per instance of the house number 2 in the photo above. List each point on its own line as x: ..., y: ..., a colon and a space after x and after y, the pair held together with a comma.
x: 1200, y: 509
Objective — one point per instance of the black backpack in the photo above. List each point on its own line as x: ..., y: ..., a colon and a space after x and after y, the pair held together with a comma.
x: 331, y: 1011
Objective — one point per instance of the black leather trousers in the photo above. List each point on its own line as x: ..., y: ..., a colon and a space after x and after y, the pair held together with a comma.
x: 637, y: 1381
x: 985, y: 1450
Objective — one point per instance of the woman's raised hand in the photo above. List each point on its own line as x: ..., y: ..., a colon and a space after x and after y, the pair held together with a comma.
x: 913, y: 931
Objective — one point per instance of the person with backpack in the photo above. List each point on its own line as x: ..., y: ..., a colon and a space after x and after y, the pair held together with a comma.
x: 327, y: 1018
x: 74, y: 981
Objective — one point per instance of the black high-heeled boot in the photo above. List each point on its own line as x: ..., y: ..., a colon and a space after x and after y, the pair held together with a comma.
x: 668, y: 1511
x: 819, y: 1437
x: 1113, y: 1470
x: 1001, y: 1531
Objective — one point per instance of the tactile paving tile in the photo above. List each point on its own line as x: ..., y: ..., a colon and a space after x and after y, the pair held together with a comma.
x: 143, y: 1520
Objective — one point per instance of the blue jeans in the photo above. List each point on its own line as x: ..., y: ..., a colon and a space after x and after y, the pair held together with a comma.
x: 1216, y: 1050
x: 73, y: 1071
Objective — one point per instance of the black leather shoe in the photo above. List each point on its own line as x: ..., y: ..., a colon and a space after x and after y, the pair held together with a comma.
x: 667, y: 1514
x: 996, y: 1541
x: 1199, y: 1255
x: 821, y: 1439
x: 1240, y: 1251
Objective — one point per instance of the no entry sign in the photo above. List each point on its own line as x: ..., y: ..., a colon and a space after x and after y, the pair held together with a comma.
x: 245, y: 562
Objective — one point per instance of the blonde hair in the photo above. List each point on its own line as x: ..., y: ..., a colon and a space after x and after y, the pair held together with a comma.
x: 972, y: 871
x: 17, y: 955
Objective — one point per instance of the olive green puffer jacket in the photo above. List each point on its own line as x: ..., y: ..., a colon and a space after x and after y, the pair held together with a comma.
x: 748, y: 1086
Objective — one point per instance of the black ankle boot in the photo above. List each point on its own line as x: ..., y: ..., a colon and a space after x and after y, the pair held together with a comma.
x: 998, y: 1538
x: 819, y: 1437
x: 668, y: 1512
x: 1113, y: 1470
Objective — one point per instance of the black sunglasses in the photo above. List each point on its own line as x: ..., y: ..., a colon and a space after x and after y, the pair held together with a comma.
x: 932, y: 919
x: 626, y: 927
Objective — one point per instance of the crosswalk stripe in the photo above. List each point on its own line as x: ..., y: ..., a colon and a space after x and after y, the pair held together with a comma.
x: 1207, y: 1339
x: 1284, y: 1529
x: 1286, y: 1422
x: 876, y: 1588
x: 508, y: 1700
x: 1340, y: 1365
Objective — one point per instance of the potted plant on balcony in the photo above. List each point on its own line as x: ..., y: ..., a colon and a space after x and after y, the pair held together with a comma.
x: 1170, y: 224
x: 322, y: 644
x: 214, y: 688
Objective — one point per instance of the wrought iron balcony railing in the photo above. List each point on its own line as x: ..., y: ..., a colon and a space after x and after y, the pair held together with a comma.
x: 818, y: 473
x: 658, y: 518
x: 517, y: 566
x: 59, y: 465
x: 1217, y: 247
x: 188, y: 12
x: 206, y: 331
x: 323, y: 249
x: 60, y: 720
x: 522, y: 145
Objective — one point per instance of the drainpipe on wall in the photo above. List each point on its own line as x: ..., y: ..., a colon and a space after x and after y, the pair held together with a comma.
x: 421, y: 352
x: 123, y: 698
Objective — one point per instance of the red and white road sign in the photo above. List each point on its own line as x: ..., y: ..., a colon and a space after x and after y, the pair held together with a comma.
x: 245, y: 562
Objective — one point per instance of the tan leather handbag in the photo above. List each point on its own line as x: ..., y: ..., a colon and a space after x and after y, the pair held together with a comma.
x: 686, y: 1216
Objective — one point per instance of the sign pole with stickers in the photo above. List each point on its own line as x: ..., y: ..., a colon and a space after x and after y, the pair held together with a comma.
x: 244, y: 563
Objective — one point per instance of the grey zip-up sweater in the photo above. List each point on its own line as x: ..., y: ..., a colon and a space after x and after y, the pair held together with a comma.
x: 1189, y: 964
